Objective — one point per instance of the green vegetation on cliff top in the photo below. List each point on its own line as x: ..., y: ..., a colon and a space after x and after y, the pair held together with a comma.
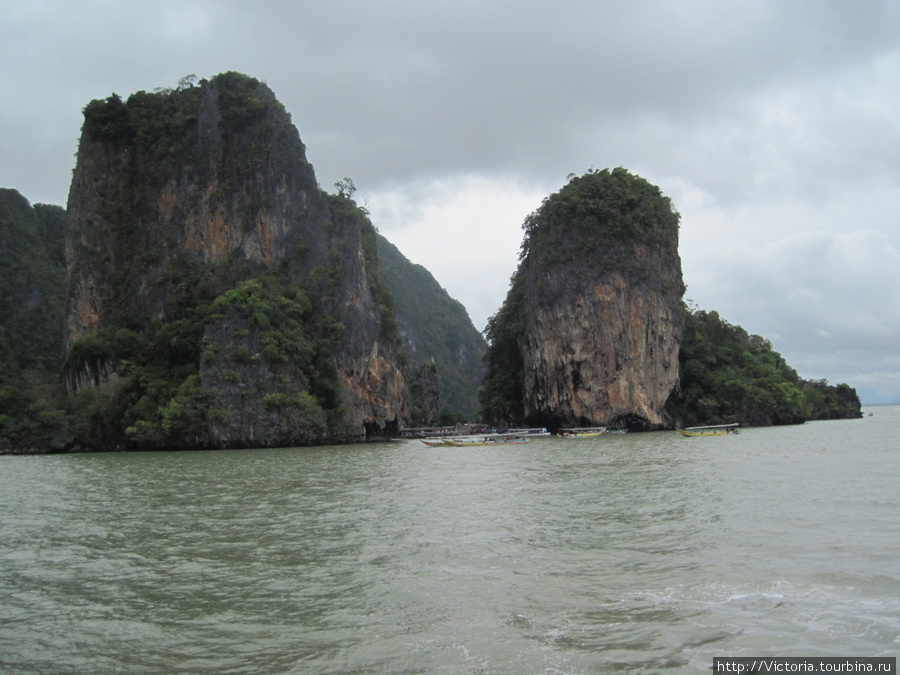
x: 601, y: 216
x: 152, y: 120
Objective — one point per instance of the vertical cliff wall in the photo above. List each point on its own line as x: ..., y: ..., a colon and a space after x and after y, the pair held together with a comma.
x: 209, y: 174
x: 179, y: 199
x: 590, y: 331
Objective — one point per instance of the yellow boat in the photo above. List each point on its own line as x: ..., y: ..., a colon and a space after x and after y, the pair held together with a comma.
x: 712, y: 430
x: 582, y: 432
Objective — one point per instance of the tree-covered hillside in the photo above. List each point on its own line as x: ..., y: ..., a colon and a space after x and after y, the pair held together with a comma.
x: 728, y: 375
x: 436, y: 329
x: 32, y: 277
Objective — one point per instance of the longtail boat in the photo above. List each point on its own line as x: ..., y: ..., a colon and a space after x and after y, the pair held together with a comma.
x: 473, y: 441
x: 711, y: 430
x: 582, y: 432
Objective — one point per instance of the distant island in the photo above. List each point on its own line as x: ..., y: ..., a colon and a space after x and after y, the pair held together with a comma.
x: 200, y: 290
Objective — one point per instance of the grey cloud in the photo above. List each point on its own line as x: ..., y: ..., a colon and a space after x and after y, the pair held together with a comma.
x: 817, y: 294
x: 392, y: 91
x: 734, y: 108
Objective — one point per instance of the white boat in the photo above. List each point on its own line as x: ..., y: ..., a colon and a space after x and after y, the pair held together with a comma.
x: 537, y: 431
x: 474, y: 441
x: 490, y: 439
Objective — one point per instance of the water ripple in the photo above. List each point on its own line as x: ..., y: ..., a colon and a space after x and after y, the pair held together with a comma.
x: 644, y: 553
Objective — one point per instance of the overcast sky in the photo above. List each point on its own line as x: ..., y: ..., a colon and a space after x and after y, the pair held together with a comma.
x: 773, y: 125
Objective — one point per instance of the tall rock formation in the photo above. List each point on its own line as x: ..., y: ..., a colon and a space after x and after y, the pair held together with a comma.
x: 590, y: 331
x: 210, y: 280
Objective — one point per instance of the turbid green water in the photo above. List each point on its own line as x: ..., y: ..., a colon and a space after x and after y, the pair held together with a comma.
x: 643, y: 552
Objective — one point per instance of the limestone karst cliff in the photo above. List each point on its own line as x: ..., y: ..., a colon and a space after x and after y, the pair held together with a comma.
x: 223, y: 297
x: 590, y: 330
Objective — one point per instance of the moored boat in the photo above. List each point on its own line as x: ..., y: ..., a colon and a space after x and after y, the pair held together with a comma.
x: 589, y: 432
x: 499, y: 439
x: 538, y: 431
x: 582, y: 432
x: 474, y: 441
x: 711, y: 430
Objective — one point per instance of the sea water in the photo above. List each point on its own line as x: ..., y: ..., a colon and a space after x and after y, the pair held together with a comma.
x: 624, y: 553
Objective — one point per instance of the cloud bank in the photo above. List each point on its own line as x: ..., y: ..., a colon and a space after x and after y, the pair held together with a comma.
x: 770, y: 123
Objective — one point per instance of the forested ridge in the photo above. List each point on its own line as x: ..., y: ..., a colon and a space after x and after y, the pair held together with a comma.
x: 32, y: 279
x: 728, y: 375
x: 437, y: 332
x: 31, y: 285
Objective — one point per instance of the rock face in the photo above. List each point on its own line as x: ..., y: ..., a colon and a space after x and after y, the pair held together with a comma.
x: 592, y: 318
x: 180, y: 198
x: 607, y: 355
x: 180, y: 176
